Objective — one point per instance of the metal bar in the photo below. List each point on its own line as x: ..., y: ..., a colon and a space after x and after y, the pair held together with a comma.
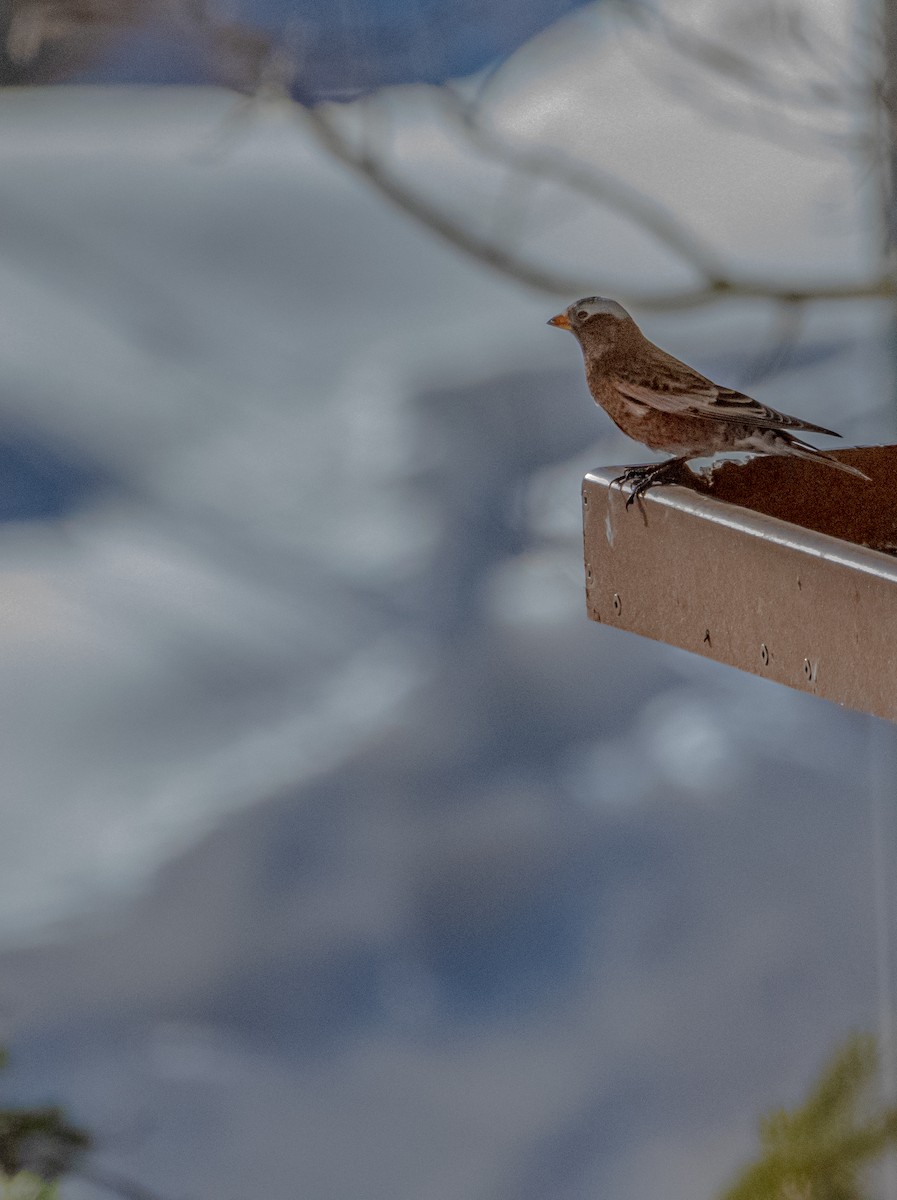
x: 809, y: 601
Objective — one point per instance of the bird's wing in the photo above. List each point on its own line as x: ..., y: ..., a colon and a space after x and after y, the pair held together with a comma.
x: 670, y: 386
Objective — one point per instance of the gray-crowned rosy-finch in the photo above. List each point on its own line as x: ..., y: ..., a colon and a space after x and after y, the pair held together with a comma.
x: 659, y: 401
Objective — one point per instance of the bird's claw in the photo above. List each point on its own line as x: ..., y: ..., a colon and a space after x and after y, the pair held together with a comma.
x: 644, y: 477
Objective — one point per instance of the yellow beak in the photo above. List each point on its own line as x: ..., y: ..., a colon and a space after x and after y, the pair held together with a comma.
x: 560, y: 321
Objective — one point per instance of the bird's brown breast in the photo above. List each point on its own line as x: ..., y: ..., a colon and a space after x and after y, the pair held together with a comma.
x: 671, y: 433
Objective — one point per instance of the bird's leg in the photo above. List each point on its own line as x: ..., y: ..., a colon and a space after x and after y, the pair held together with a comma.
x: 646, y: 476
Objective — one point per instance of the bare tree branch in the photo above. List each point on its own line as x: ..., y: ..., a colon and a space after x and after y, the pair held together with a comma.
x: 837, y: 84
x: 839, y: 88
x: 542, y: 279
x: 599, y: 186
x: 716, y: 281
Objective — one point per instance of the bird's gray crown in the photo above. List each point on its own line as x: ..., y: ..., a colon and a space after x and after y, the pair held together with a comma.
x: 593, y: 305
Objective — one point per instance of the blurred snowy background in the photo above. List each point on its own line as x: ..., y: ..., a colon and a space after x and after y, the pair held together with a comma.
x: 340, y: 855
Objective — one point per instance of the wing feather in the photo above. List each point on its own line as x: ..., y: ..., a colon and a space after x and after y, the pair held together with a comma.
x: 668, y: 385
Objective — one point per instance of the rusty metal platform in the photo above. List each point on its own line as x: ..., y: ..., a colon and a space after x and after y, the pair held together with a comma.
x: 780, y: 567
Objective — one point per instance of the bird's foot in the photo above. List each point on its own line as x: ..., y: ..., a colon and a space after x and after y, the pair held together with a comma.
x: 648, y: 476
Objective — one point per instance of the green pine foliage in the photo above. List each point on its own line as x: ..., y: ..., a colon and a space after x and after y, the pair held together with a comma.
x: 25, y: 1185
x: 37, y: 1147
x: 822, y: 1150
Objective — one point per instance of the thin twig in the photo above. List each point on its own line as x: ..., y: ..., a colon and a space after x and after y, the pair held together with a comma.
x: 789, y: 322
x: 113, y: 1181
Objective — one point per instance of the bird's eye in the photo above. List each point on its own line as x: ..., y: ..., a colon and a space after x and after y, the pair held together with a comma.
x: 582, y: 314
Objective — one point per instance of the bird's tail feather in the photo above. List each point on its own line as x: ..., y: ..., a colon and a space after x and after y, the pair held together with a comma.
x: 804, y: 450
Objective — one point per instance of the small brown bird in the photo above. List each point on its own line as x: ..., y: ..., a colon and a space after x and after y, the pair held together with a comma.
x: 659, y: 401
